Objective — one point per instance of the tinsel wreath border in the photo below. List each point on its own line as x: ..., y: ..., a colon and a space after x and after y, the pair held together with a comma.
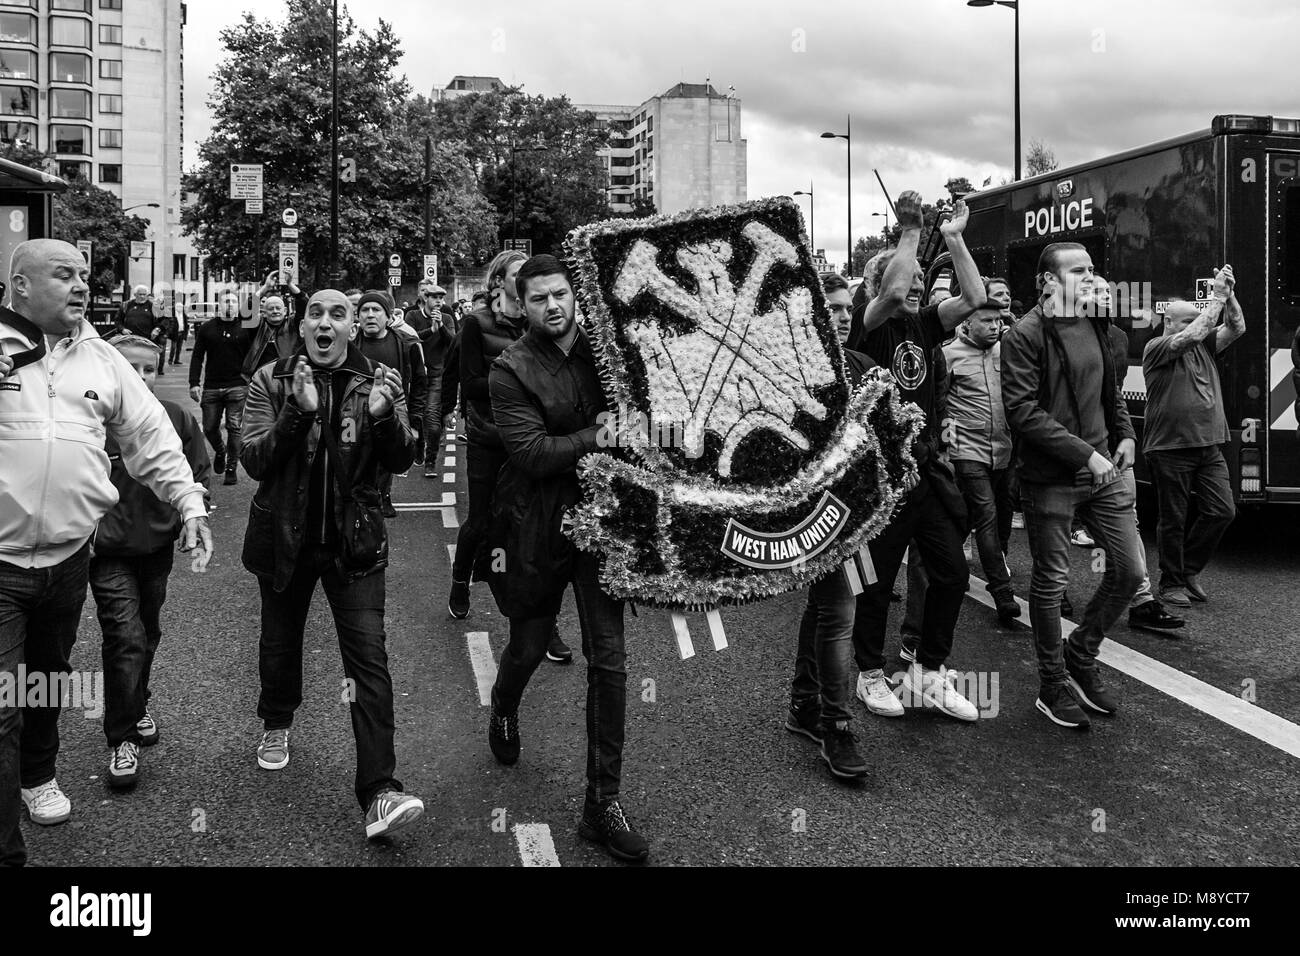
x: 610, y: 364
x: 672, y: 589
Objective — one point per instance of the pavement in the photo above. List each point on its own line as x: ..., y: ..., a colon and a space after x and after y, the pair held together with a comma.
x: 710, y: 775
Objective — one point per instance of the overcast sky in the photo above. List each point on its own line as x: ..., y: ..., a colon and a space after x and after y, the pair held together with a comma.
x: 929, y: 83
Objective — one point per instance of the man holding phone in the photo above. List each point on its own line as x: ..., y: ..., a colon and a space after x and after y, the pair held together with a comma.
x: 1075, y: 442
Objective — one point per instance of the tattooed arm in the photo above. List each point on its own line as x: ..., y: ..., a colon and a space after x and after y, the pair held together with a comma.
x: 1234, y: 321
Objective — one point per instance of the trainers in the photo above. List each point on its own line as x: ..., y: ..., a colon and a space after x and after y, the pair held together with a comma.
x: 47, y: 804
x: 1018, y: 520
x: 608, y: 826
x: 840, y: 751
x: 1008, y: 607
x: 1194, y: 589
x: 907, y: 652
x: 148, y: 730
x: 219, y: 462
x: 458, y: 602
x: 935, y: 689
x: 387, y: 507
x: 1059, y: 706
x: 1087, y: 686
x: 1175, y: 597
x: 1081, y: 538
x: 124, y: 764
x: 805, y: 717
x: 232, y: 477
x: 503, y: 737
x: 390, y: 811
x: 1152, y: 616
x: 273, y: 751
x: 873, y: 690
x: 557, y: 650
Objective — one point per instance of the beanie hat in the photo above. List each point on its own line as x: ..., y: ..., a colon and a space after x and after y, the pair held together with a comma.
x: 381, y: 298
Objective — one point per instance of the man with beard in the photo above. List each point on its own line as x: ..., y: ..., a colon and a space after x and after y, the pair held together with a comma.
x: 320, y: 425
x: 546, y: 397
x: 223, y: 344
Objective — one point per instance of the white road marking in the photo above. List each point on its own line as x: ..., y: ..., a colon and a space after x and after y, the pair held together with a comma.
x: 449, y: 477
x: 1219, y: 704
x: 448, y: 501
x: 484, y: 664
x: 451, y: 553
x: 449, y: 519
x: 536, y: 848
x: 449, y: 461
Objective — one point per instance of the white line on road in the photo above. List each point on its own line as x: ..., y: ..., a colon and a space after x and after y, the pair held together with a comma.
x: 536, y: 848
x: 449, y: 477
x: 449, y: 519
x: 448, y: 501
x: 1219, y: 704
x: 485, y: 666
x: 449, y: 461
x: 451, y: 553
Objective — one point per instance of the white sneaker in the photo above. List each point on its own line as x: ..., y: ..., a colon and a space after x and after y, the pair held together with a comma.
x: 873, y: 690
x: 936, y: 691
x: 1082, y: 539
x: 47, y: 804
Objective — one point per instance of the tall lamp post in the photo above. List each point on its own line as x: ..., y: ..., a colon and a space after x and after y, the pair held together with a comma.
x: 334, y: 147
x: 126, y: 258
x: 1015, y: 6
x: 847, y: 137
x: 886, y: 215
x: 812, y: 214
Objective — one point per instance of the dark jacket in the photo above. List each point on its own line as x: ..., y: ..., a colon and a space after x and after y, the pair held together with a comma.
x: 223, y: 345
x: 136, y: 318
x: 451, y: 393
x: 279, y: 443
x: 436, y: 342
x: 484, y: 337
x: 401, y: 350
x: 1034, y: 371
x: 546, y: 406
x: 271, y: 344
x: 139, y: 523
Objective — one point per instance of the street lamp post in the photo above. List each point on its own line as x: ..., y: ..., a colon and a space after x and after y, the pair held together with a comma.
x: 334, y: 147
x: 126, y: 250
x: 847, y: 137
x: 886, y: 215
x: 812, y: 214
x: 1015, y: 6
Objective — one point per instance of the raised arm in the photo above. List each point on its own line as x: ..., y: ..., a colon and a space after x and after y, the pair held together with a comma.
x: 956, y: 309
x: 1234, y: 320
x: 901, y: 271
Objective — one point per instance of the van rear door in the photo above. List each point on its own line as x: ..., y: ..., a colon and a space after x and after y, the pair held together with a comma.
x: 1283, y: 475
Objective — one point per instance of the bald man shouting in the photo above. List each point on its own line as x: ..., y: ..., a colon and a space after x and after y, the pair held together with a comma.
x: 318, y: 426
x: 63, y: 392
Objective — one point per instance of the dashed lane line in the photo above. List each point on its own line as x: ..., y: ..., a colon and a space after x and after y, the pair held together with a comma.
x: 536, y: 847
x: 484, y: 664
x: 449, y: 477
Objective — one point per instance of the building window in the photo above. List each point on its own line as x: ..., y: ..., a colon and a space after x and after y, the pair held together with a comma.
x: 20, y: 3
x: 110, y: 69
x: 69, y: 169
x: 80, y: 6
x: 650, y: 124
x: 110, y: 4
x: 70, y: 139
x: 64, y: 31
x: 18, y: 134
x: 17, y: 28
x: 110, y: 172
x: 110, y: 138
x: 17, y: 101
x: 194, y: 268
x: 18, y: 64
x: 110, y: 103
x: 69, y: 104
x: 69, y: 68
x: 109, y: 33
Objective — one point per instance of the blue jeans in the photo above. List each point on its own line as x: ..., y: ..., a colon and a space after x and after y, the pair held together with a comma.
x: 988, y: 501
x: 601, y: 619
x: 358, y: 609
x: 40, y: 609
x: 129, y: 594
x: 1109, y: 516
x: 230, y: 401
x: 824, y: 663
x: 1186, y: 549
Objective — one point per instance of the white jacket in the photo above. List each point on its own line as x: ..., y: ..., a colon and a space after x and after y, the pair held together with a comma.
x: 55, y: 415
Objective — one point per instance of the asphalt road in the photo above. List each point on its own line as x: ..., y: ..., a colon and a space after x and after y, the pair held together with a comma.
x: 710, y: 774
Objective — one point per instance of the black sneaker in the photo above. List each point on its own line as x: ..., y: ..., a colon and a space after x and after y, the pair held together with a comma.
x: 1067, y: 609
x: 232, y: 478
x: 458, y: 602
x: 557, y: 650
x: 840, y: 751
x: 503, y: 737
x: 1152, y: 616
x: 1087, y: 686
x: 124, y: 765
x: 219, y: 462
x: 1059, y: 706
x: 805, y: 717
x: 387, y: 507
x: 608, y: 826
x: 1007, y: 607
x: 1194, y: 590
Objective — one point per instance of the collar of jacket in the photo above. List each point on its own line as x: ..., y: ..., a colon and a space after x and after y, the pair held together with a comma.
x: 353, y: 362
x: 27, y: 328
x: 551, y: 356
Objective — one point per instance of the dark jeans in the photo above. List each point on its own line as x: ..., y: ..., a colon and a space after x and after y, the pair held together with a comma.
x: 918, y: 582
x: 215, y: 401
x: 601, y: 618
x: 358, y: 609
x: 824, y: 664
x: 481, y: 468
x: 174, y: 351
x: 1108, y: 515
x: 40, y: 609
x: 129, y: 593
x: 938, y: 539
x: 432, y: 428
x: 988, y: 501
x: 1186, y: 550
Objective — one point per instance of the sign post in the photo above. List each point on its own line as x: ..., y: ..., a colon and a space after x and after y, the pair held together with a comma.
x: 289, y: 261
x: 431, y: 268
x: 246, y: 181
x: 87, y: 248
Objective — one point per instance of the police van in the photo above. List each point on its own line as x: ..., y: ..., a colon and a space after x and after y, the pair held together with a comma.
x: 1157, y: 221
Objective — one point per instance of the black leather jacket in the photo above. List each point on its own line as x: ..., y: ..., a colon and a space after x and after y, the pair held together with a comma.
x: 484, y: 337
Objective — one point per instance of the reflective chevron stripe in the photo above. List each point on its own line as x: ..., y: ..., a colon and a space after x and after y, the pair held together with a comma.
x: 1281, y: 391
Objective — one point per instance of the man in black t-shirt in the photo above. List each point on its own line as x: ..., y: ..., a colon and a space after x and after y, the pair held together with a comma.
x: 901, y: 335
x: 222, y: 344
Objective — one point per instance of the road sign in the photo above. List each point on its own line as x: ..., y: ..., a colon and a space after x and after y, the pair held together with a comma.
x: 289, y: 261
x: 253, y: 206
x: 395, y: 261
x: 395, y: 281
x: 289, y: 217
x: 141, y: 250
x: 288, y: 232
x: 431, y: 268
x: 522, y: 245
x: 86, y: 248
x: 245, y: 180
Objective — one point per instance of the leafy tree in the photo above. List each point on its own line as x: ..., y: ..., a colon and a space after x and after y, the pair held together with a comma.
x: 1039, y: 159
x: 864, y: 249
x: 271, y: 104
x: 958, y: 186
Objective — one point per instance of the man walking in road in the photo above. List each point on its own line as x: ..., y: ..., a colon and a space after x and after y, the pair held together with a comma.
x: 223, y: 344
